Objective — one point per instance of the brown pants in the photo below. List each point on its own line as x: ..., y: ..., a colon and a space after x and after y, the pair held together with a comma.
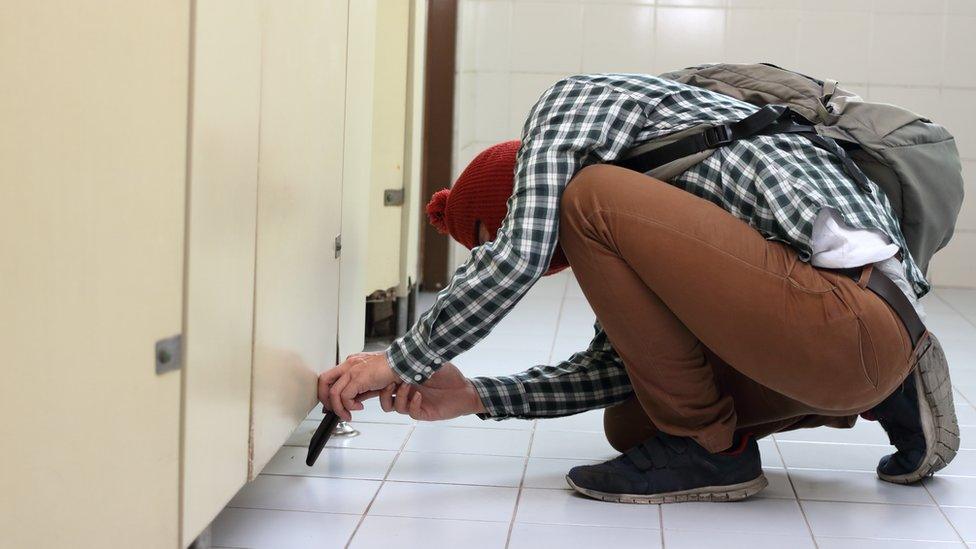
x: 677, y: 282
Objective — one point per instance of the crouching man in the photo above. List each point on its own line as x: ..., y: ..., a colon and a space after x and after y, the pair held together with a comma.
x: 760, y: 290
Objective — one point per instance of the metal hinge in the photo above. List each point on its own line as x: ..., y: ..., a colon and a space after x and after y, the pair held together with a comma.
x: 169, y: 354
x: 338, y: 245
x: 393, y: 197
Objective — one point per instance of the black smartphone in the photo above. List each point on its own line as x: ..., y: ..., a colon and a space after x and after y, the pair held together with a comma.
x: 321, y: 436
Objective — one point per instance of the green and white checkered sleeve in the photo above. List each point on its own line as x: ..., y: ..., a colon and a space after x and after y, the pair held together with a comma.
x: 575, y: 122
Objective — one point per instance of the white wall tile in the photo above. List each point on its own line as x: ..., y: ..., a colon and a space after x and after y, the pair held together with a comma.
x: 909, y: 6
x: 465, y: 107
x: 925, y: 101
x: 763, y: 36
x: 618, y: 38
x: 491, y: 107
x: 967, y: 216
x: 955, y: 265
x: 765, y: 4
x: 859, y: 42
x: 493, y: 35
x: 964, y: 7
x: 836, y: 5
x: 960, y: 109
x: 847, y: 40
x: 526, y: 88
x: 466, y: 34
x: 693, y: 3
x: 545, y: 36
x: 960, y: 53
x: 688, y: 36
x: 906, y: 49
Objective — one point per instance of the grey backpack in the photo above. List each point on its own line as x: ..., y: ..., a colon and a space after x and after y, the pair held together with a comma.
x: 913, y: 160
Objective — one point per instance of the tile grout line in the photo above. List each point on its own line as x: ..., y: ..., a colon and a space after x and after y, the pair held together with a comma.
x: 943, y: 513
x: 796, y: 495
x: 521, y: 484
x: 372, y: 500
x: 535, y: 423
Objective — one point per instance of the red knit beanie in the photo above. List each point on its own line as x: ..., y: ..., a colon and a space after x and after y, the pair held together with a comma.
x: 481, y: 193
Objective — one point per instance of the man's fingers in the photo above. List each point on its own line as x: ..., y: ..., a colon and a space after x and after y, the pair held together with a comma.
x: 326, y: 380
x: 386, y: 397
x: 335, y: 398
x: 348, y: 395
x: 363, y: 397
x: 402, y: 402
x: 415, y: 403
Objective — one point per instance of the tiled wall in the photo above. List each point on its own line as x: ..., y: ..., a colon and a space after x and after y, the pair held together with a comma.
x: 917, y: 53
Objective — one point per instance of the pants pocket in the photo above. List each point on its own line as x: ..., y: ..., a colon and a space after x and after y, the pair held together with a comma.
x: 869, y: 356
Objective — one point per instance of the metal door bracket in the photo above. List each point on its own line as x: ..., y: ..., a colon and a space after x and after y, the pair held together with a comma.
x: 393, y: 197
x: 169, y: 354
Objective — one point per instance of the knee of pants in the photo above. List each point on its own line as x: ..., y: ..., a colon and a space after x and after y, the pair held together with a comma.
x: 577, y: 199
x: 625, y: 425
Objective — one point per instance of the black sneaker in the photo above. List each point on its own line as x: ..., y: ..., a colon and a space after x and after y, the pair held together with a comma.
x: 669, y: 469
x: 920, y: 420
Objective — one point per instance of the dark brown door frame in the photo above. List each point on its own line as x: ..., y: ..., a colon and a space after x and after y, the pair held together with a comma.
x: 438, y: 140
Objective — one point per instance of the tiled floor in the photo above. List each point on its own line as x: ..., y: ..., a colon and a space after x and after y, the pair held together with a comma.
x: 474, y: 484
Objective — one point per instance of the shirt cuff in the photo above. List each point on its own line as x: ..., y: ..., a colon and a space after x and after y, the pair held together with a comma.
x: 503, y: 397
x: 413, y: 361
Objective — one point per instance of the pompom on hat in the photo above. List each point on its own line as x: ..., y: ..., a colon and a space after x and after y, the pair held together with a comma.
x: 481, y: 194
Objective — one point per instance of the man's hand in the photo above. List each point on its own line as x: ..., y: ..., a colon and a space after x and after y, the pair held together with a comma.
x: 446, y: 394
x: 362, y: 375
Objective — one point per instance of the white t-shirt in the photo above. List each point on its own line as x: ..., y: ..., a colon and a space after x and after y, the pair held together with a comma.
x: 837, y: 245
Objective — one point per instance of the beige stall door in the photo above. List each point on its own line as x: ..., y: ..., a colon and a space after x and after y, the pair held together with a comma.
x: 299, y: 180
x: 222, y: 210
x: 93, y: 125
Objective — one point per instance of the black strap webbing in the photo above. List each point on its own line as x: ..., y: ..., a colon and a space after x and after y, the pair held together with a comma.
x: 768, y: 120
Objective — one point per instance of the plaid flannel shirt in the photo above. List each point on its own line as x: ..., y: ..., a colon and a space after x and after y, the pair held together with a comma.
x: 777, y: 184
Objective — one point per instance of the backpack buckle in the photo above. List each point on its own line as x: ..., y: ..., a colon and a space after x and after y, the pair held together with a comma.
x: 717, y: 136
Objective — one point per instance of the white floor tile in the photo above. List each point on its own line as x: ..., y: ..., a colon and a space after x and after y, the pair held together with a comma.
x: 854, y: 543
x: 965, y: 414
x: 372, y: 436
x: 551, y: 472
x: 332, y: 462
x: 458, y: 469
x: 324, y: 495
x: 842, y: 457
x: 964, y: 519
x: 462, y: 440
x: 447, y: 501
x: 265, y: 529
x: 951, y: 326
x: 478, y: 423
x: 494, y: 362
x: 567, y: 507
x: 753, y: 516
x: 534, y: 536
x: 963, y: 465
x: 561, y: 444
x: 591, y: 421
x: 863, y: 432
x: 419, y: 533
x: 769, y: 453
x: 872, y: 520
x: 779, y: 484
x: 967, y: 437
x: 854, y: 487
x: 688, y: 539
x: 372, y: 414
x: 956, y: 491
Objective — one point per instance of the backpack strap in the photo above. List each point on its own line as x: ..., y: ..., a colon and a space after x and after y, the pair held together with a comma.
x: 768, y: 120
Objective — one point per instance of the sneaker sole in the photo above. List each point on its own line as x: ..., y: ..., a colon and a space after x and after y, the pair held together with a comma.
x: 938, y: 412
x: 732, y: 492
